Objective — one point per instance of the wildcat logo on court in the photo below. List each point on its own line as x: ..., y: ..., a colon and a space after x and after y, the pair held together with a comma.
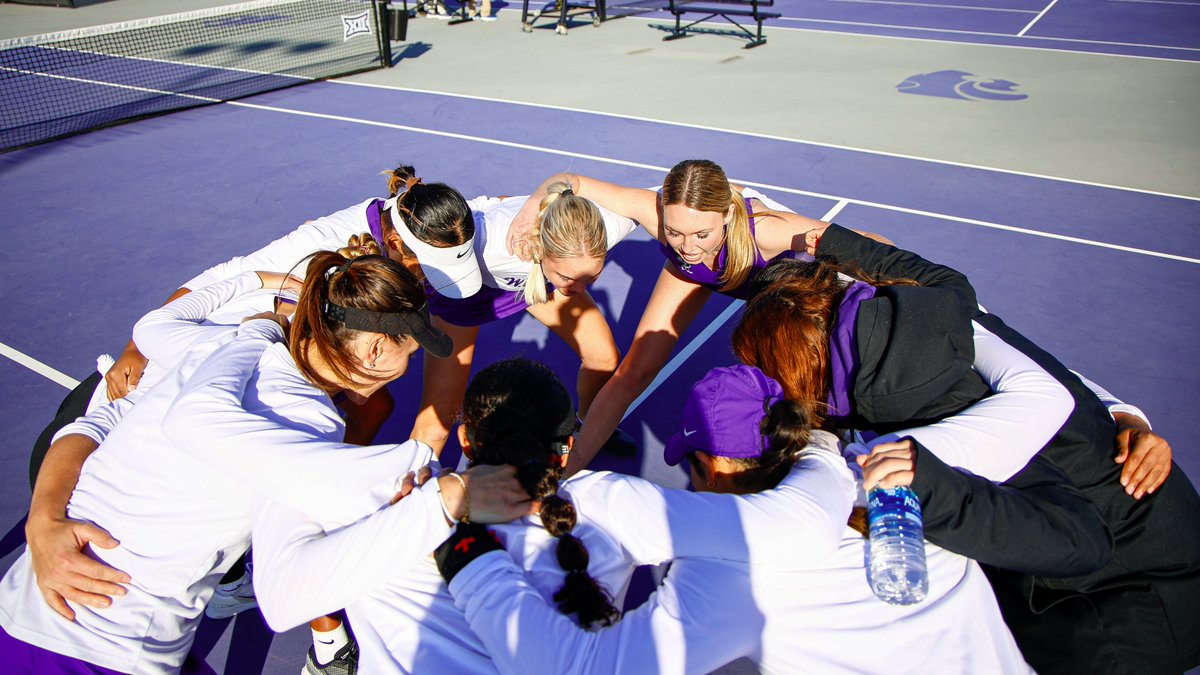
x: 359, y: 24
x: 962, y: 85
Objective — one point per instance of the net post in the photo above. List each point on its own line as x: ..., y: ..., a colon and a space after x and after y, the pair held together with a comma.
x: 384, y: 21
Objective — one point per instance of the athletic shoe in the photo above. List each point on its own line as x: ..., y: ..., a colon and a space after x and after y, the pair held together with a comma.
x: 345, y: 662
x: 620, y: 444
x: 489, y: 17
x: 232, y: 598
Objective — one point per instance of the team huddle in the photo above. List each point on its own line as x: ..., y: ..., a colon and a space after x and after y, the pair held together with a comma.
x: 242, y: 421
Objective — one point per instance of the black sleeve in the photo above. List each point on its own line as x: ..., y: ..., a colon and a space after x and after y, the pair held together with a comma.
x: 1034, y: 523
x: 855, y: 251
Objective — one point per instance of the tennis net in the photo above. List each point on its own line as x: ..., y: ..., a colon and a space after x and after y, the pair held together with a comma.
x: 66, y: 83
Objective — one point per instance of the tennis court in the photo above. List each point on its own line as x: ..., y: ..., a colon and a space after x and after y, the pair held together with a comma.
x: 1074, y: 212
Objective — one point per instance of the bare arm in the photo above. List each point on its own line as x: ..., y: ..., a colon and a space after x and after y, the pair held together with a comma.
x: 445, y: 382
x: 673, y: 306
x: 636, y: 203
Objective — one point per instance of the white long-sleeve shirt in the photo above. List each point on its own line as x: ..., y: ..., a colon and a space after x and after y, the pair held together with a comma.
x: 165, y: 491
x: 406, y: 620
x: 500, y: 269
x: 813, y: 616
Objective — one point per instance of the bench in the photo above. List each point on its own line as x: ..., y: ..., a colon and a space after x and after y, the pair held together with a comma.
x: 726, y: 9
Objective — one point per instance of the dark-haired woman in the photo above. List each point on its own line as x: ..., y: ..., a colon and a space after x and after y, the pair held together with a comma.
x: 516, y: 413
x: 161, y: 485
x: 844, y: 353
x: 789, y: 615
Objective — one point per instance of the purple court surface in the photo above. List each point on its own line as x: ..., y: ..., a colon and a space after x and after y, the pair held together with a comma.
x: 100, y: 228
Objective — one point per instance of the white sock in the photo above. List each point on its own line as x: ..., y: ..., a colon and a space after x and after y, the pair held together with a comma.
x: 327, y: 643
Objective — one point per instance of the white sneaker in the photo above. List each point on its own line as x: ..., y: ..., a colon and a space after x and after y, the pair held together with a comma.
x: 232, y: 598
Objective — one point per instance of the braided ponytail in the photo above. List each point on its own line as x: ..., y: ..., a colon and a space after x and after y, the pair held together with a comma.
x: 516, y: 412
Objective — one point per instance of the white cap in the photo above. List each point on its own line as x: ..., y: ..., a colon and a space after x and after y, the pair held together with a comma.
x: 452, y: 271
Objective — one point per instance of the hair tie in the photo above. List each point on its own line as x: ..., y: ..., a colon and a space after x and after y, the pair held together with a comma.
x: 410, y: 182
x: 341, y: 268
x: 567, y: 192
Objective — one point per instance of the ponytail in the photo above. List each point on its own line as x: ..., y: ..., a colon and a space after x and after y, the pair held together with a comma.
x: 373, y: 283
x: 580, y: 594
x: 741, y: 251
x: 518, y: 412
x: 435, y: 212
x: 786, y: 427
x: 567, y: 226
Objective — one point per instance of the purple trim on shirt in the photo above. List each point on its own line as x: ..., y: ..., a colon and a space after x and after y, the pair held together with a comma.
x: 711, y: 278
x: 843, y: 352
x: 374, y: 211
x: 488, y: 305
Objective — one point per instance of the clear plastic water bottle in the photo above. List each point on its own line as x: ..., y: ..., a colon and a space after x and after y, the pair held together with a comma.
x: 896, y: 570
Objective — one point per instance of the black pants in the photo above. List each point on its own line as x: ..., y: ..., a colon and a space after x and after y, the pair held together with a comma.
x: 72, y: 407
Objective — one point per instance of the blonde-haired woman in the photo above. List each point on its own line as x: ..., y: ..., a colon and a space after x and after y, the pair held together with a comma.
x: 716, y: 236
x: 568, y: 241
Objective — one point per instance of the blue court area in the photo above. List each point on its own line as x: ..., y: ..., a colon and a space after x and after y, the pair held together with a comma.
x: 103, y: 227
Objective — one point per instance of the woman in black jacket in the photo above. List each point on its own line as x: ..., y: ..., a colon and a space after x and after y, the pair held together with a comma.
x: 1136, y: 607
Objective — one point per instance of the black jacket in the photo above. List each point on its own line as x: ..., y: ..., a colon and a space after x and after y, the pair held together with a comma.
x: 1136, y: 611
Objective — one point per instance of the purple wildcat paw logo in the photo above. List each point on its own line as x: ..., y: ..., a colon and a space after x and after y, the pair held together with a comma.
x: 962, y: 85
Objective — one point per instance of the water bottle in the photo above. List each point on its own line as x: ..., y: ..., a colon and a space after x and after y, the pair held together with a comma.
x: 896, y: 571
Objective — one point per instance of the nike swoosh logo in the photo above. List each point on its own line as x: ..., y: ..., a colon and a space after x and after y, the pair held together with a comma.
x: 460, y: 255
x: 325, y: 643
x: 687, y: 433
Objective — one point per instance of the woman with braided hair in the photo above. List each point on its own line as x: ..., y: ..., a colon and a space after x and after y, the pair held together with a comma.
x: 516, y: 413
x: 789, y: 614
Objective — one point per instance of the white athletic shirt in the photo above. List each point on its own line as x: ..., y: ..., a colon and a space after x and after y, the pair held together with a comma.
x: 406, y: 622
x: 158, y: 484
x: 329, y: 233
x: 805, y: 616
x: 493, y: 216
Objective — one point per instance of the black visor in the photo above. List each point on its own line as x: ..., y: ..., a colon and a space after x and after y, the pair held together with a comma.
x: 414, y: 322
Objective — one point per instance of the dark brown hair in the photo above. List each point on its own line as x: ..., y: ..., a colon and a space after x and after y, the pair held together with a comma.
x: 435, y: 212
x: 372, y: 283
x: 518, y: 412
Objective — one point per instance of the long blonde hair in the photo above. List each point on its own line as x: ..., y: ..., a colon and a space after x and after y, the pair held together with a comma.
x: 567, y: 226
x: 701, y: 184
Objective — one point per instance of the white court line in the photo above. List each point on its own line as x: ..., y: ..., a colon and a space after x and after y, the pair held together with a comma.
x: 987, y: 34
x: 686, y: 353
x: 1036, y: 18
x: 926, y: 4
x: 772, y: 137
x: 38, y: 367
x: 1159, y: 2
x: 768, y: 186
